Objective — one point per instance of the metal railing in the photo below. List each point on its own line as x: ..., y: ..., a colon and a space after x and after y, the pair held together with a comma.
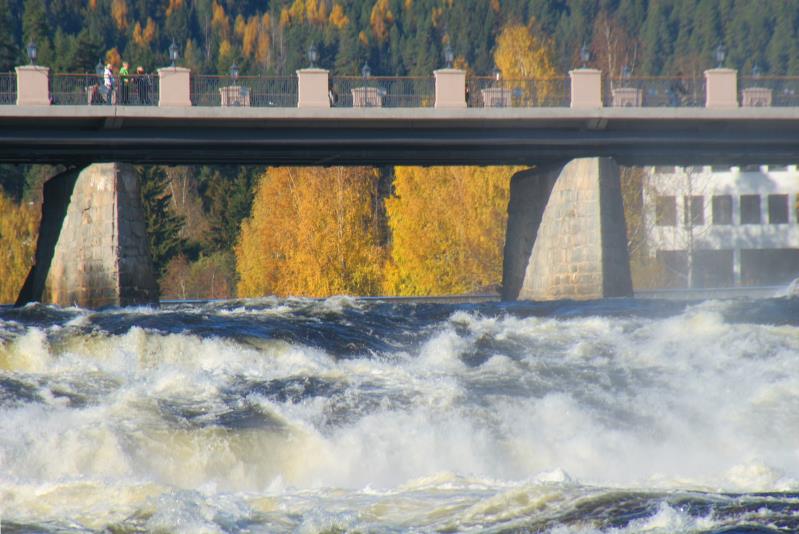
x: 90, y: 89
x: 776, y: 90
x: 490, y: 92
x: 383, y: 91
x: 8, y: 88
x: 654, y: 92
x: 255, y: 91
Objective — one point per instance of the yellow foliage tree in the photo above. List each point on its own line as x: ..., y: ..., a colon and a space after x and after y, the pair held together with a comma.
x: 119, y: 12
x: 381, y: 19
x: 249, y: 41
x: 312, y: 232
x: 447, y: 229
x: 338, y: 18
x: 19, y: 227
x: 220, y: 22
x: 521, y: 55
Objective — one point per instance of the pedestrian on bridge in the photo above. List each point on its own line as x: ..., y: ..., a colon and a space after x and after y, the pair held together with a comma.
x: 109, y: 84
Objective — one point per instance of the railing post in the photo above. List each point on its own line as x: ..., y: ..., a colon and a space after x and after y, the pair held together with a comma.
x: 721, y: 88
x: 586, y: 88
x: 174, y: 87
x: 312, y: 88
x: 33, y: 86
x: 450, y: 88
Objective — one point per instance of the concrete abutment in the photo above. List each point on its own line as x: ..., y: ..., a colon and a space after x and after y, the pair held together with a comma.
x: 92, y: 249
x: 566, y: 236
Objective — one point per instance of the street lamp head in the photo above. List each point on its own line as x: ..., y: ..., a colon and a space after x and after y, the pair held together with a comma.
x: 449, y: 57
x: 625, y: 72
x: 721, y: 53
x: 755, y: 71
x: 365, y: 70
x: 33, y: 52
x: 234, y: 72
x: 496, y: 74
x: 99, y: 69
x: 173, y: 52
x: 313, y: 55
x: 585, y: 54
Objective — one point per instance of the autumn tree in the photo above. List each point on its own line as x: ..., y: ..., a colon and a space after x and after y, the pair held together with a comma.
x: 522, y: 54
x: 312, y: 232
x: 447, y: 229
x: 19, y: 226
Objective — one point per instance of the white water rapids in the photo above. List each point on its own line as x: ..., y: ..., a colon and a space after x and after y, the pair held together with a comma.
x: 347, y: 415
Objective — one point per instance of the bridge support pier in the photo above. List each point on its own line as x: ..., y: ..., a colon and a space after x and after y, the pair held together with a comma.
x: 92, y: 249
x: 566, y: 235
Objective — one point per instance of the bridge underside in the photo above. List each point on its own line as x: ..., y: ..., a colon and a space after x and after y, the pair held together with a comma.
x: 397, y: 137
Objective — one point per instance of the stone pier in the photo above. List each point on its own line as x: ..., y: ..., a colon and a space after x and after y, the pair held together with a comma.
x: 92, y: 249
x: 566, y: 236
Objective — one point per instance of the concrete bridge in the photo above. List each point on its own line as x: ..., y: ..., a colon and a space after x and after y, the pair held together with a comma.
x: 566, y: 233
x: 397, y: 136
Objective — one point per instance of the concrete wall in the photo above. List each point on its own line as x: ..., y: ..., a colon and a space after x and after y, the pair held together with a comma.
x: 529, y: 193
x: 580, y: 248
x: 101, y: 256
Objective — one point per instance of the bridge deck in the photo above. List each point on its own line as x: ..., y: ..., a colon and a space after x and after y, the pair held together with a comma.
x: 377, y: 136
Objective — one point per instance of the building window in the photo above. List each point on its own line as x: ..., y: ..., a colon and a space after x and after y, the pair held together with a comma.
x: 720, y: 168
x: 666, y: 211
x: 777, y: 168
x: 722, y: 209
x: 750, y: 209
x: 695, y: 208
x: 778, y: 209
x: 750, y: 168
x: 664, y: 169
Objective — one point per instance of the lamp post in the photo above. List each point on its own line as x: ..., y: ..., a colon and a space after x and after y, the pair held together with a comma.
x: 173, y: 53
x: 366, y: 71
x: 234, y: 73
x: 585, y: 54
x: 99, y: 69
x: 449, y: 57
x: 313, y: 56
x: 33, y: 52
x: 721, y: 53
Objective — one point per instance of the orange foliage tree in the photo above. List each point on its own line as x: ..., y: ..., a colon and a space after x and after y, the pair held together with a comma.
x: 447, y: 229
x: 19, y: 227
x: 312, y: 232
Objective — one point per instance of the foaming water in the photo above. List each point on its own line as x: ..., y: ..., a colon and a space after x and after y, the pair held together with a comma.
x: 345, y: 414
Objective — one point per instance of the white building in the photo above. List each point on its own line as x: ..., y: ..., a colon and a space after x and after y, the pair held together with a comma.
x: 739, y: 222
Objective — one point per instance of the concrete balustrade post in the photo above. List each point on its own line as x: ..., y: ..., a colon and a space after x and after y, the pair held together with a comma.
x: 721, y: 88
x: 33, y: 86
x: 450, y: 88
x: 586, y: 88
x: 312, y: 87
x: 174, y: 87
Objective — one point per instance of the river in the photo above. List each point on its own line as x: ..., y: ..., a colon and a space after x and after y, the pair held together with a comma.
x: 349, y: 415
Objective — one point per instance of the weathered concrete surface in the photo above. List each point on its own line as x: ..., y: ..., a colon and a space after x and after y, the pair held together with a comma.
x: 101, y: 256
x: 529, y: 193
x: 580, y: 250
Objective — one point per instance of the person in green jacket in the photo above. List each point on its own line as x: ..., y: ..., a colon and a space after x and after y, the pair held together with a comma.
x: 124, y: 82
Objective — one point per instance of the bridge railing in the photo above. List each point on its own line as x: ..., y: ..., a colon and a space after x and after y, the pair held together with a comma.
x: 253, y: 91
x: 89, y: 89
x: 758, y: 91
x: 383, y: 91
x: 8, y: 88
x: 654, y: 92
x: 486, y: 91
